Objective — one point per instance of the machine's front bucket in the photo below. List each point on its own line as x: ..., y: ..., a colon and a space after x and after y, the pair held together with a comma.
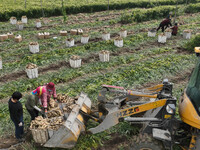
x: 63, y: 138
x: 67, y: 135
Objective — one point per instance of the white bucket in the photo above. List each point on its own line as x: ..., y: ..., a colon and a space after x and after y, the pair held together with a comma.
x: 162, y: 39
x: 13, y: 20
x: 70, y: 42
x: 118, y: 43
x: 20, y: 26
x: 1, y: 66
x: 106, y: 36
x: 168, y: 34
x: 38, y: 25
x: 24, y: 19
x: 104, y: 57
x: 186, y: 35
x: 32, y: 73
x: 123, y: 33
x: 151, y: 34
x: 84, y: 40
x: 34, y: 48
x: 75, y: 63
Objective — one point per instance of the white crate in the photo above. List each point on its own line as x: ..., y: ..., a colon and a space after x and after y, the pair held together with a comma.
x: 75, y: 63
x: 70, y: 42
x: 38, y: 24
x: 123, y: 33
x: 168, y: 34
x: 106, y: 36
x: 104, y: 57
x: 10, y: 35
x: 24, y: 19
x: 80, y: 31
x: 1, y: 66
x: 32, y: 73
x: 13, y: 20
x: 40, y: 35
x: 34, y: 48
x: 118, y: 43
x: 186, y: 35
x: 3, y: 37
x: 151, y: 34
x: 84, y: 40
x: 40, y: 135
x: 162, y: 39
x: 46, y: 35
x: 20, y: 26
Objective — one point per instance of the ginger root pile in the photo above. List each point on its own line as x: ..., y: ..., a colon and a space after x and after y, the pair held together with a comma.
x: 55, y: 114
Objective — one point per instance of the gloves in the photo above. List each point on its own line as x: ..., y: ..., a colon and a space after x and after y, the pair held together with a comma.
x: 45, y: 112
x: 20, y: 124
x: 38, y: 109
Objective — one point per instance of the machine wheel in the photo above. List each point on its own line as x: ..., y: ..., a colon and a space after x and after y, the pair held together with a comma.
x: 145, y: 142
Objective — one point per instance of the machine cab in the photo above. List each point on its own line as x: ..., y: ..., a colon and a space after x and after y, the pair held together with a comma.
x: 189, y: 104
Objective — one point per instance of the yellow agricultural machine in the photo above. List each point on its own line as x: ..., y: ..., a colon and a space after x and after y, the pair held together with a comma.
x: 161, y: 129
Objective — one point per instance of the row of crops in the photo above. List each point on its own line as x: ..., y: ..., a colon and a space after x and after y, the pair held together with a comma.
x: 35, y: 9
x: 49, y: 57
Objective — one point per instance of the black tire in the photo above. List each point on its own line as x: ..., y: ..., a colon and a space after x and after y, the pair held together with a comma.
x: 145, y: 142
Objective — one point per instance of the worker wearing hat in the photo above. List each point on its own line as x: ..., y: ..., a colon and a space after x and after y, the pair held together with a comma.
x: 51, y: 91
x: 33, y: 101
x: 41, y: 95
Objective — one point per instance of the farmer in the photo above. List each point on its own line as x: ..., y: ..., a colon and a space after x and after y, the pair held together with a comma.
x: 164, y: 24
x: 169, y: 15
x: 44, y: 94
x: 31, y: 106
x: 16, y: 114
x: 174, y: 29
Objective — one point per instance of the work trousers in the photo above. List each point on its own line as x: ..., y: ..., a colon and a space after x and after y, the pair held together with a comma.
x: 19, y: 131
x: 161, y: 26
x: 33, y: 113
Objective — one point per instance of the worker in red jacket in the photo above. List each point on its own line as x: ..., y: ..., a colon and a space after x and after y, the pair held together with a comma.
x: 164, y: 24
x: 174, y: 29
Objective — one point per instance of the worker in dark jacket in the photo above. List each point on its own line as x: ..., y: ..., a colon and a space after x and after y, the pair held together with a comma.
x: 174, y: 29
x: 16, y: 114
x: 164, y: 24
x: 31, y: 106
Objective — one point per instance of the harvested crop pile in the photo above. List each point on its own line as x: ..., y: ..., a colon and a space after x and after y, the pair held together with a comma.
x: 74, y: 57
x: 187, y: 31
x: 168, y: 30
x: 54, y: 115
x: 68, y: 102
x: 54, y: 112
x: 33, y: 43
x: 55, y: 123
x: 64, y: 98
x: 52, y: 103
x: 104, y: 52
x: 31, y: 66
x: 39, y: 123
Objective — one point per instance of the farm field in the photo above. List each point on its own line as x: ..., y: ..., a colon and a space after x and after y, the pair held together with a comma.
x: 38, y: 8
x: 141, y: 62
